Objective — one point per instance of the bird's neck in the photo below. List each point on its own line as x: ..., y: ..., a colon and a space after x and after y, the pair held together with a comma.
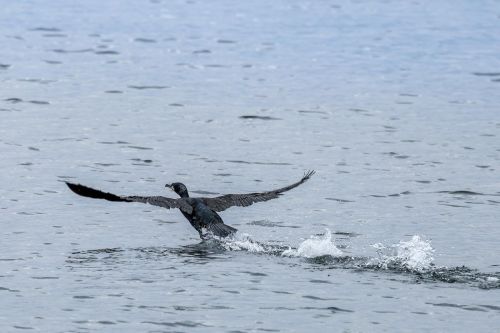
x: 184, y: 194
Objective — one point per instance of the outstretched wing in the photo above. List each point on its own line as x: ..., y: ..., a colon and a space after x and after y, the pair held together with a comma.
x: 155, y: 200
x: 223, y: 202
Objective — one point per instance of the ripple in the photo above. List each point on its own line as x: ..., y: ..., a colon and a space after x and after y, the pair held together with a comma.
x: 461, y: 192
x: 63, y: 51
x: 83, y: 297
x: 46, y: 29
x: 312, y: 111
x: 107, y: 52
x: 396, y: 155
x: 42, y: 81
x: 45, y: 277
x: 226, y: 41
x: 141, y: 160
x: 339, y: 200
x: 444, y: 203
x: 186, y: 323
x: 144, y: 40
x: 55, y: 35
x: 140, y: 147
x: 320, y: 281
x: 254, y: 273
x: 13, y: 100
x: 216, y: 66
x: 316, y: 298
x: 486, y: 73
x: 258, y: 163
x: 463, y: 307
x: 332, y: 309
x: 53, y: 62
x: 114, y: 142
x: 106, y: 164
x: 258, y: 117
x: 147, y: 87
x: 39, y: 102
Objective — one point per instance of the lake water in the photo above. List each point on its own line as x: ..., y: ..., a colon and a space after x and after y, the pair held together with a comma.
x: 394, y: 104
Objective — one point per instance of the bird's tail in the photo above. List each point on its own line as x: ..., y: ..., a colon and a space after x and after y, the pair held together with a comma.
x: 220, y: 230
x: 93, y: 193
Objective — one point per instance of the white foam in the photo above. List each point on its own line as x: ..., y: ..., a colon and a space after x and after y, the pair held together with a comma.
x: 242, y: 242
x: 315, y: 246
x: 415, y: 254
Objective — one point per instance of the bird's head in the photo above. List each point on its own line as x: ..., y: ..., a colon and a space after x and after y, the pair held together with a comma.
x: 179, y: 188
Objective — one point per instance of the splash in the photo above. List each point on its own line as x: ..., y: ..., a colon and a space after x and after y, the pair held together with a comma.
x: 315, y: 246
x: 242, y: 242
x: 412, y: 259
x: 413, y: 255
x: 417, y: 254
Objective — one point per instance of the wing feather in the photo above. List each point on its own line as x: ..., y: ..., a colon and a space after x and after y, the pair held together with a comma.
x: 223, y: 202
x: 160, y: 201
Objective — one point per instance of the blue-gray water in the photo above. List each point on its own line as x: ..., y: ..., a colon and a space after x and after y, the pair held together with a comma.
x: 394, y: 103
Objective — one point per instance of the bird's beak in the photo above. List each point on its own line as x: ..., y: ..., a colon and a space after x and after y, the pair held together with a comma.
x: 168, y: 185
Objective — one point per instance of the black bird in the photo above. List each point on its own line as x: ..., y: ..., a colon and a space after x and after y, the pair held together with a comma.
x: 200, y: 212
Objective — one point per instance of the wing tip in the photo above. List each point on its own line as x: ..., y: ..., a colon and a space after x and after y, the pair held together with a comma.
x: 73, y: 187
x: 89, y: 192
x: 308, y: 174
x: 79, y: 188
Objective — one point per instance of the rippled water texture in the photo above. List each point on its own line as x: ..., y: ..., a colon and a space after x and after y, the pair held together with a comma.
x: 395, y: 104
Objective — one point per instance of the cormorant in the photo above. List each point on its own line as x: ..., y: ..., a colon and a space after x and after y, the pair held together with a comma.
x: 200, y: 212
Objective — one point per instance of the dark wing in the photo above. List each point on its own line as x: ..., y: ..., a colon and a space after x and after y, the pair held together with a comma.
x: 221, y: 203
x: 155, y: 201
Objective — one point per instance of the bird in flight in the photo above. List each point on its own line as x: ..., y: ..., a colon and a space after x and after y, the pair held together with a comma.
x: 200, y: 212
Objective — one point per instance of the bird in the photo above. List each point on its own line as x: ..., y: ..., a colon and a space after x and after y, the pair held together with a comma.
x: 201, y: 212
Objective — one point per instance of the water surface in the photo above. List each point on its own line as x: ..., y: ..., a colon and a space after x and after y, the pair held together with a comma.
x: 394, y: 104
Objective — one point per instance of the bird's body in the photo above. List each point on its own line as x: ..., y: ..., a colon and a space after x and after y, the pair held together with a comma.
x: 204, y: 219
x: 200, y: 212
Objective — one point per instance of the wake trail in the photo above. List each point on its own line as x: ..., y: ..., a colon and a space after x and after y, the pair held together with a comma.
x: 413, y: 258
